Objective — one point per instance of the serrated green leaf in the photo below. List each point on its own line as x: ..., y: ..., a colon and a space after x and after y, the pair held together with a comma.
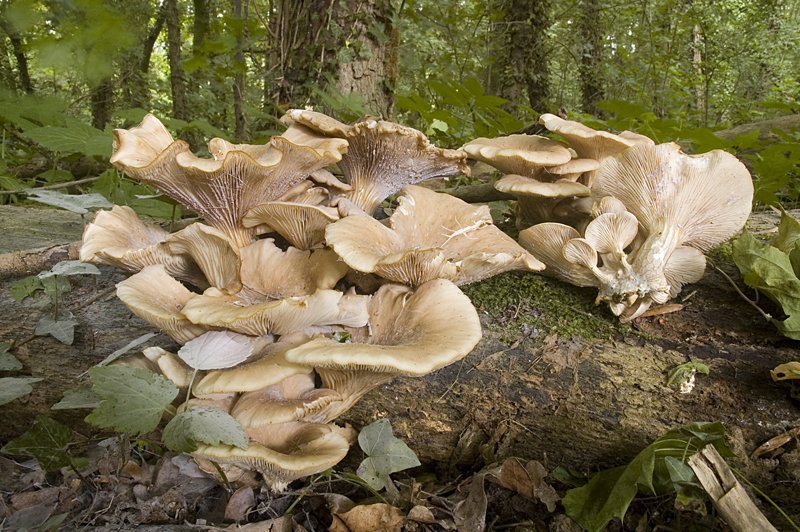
x: 25, y: 287
x: 13, y: 387
x: 62, y: 329
x: 131, y: 399
x: 80, y: 397
x: 74, y: 137
x: 609, y: 493
x: 46, y: 441
x: 78, y: 203
x: 206, y: 424
x: 8, y: 362
x: 386, y: 454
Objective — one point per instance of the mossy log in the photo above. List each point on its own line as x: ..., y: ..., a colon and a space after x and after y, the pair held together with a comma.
x: 554, y: 379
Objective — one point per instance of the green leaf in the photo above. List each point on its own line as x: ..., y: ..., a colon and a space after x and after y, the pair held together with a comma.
x: 13, y: 387
x: 206, y: 424
x: 80, y: 397
x: 679, y: 373
x: 215, y: 350
x: 46, y: 441
x: 62, y: 329
x: 609, y: 493
x: 788, y: 234
x: 55, y: 286
x: 8, y: 362
x: 131, y: 399
x: 71, y: 267
x: 25, y: 287
x: 386, y: 454
x: 79, y: 203
x: 74, y: 137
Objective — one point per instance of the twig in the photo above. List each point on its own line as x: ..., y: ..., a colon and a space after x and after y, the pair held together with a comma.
x: 733, y: 284
x: 51, y: 187
x: 95, y: 297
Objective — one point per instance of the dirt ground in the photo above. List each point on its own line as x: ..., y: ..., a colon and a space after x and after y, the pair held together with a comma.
x: 556, y: 381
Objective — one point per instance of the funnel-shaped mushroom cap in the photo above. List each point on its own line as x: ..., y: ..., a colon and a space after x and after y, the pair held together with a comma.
x: 159, y: 299
x: 275, y: 274
x: 301, y: 224
x: 587, y: 142
x: 283, y: 316
x: 296, y: 450
x: 612, y: 233
x: 119, y: 238
x: 546, y: 242
x: 519, y: 154
x: 266, y: 368
x: 382, y: 157
x: 291, y: 399
x: 705, y: 199
x: 430, y: 236
x: 408, y: 334
x: 524, y: 186
x: 579, y: 251
x: 572, y: 170
x: 215, y: 253
x: 608, y: 205
x: 222, y: 190
x: 138, y: 146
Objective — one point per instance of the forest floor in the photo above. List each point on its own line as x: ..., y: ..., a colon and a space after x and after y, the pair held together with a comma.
x: 133, y: 484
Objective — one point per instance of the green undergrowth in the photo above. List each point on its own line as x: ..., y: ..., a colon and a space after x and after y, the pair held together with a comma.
x: 528, y: 305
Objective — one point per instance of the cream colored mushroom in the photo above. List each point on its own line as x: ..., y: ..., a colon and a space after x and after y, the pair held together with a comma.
x: 382, y: 157
x: 429, y: 236
x: 224, y: 189
x: 215, y: 253
x: 301, y: 224
x: 524, y: 155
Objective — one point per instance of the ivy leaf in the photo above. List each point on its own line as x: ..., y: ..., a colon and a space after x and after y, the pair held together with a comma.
x: 386, y: 454
x: 215, y: 350
x: 131, y: 399
x: 55, y: 285
x: 609, y: 493
x: 80, y: 397
x: 127, y: 347
x: 8, y: 362
x: 70, y: 267
x: 78, y: 203
x: 62, y: 329
x: 46, y: 441
x: 13, y: 387
x: 206, y: 424
x: 25, y: 287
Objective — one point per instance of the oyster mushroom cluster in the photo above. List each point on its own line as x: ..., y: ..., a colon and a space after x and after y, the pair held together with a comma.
x: 638, y: 223
x: 290, y: 262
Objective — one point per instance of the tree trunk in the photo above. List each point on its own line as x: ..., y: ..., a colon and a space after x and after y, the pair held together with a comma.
x: 102, y: 103
x: 591, y: 29
x: 19, y: 54
x: 368, y: 54
x: 239, y: 77
x: 521, y: 57
x: 701, y: 81
x: 176, y: 73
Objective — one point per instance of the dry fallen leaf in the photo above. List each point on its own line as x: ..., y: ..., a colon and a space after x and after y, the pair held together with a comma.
x: 773, y: 447
x: 240, y: 504
x: 663, y: 309
x: 787, y: 371
x: 369, y: 518
x: 526, y: 480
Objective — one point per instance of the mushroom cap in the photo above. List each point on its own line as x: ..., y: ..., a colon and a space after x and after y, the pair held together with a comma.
x: 382, y: 157
x: 519, y: 154
x: 525, y: 186
x: 408, y: 334
x: 430, y: 236
x: 612, y: 232
x: 298, y: 450
x: 587, y: 142
x: 301, y: 224
x: 579, y: 251
x: 221, y: 190
x: 141, y: 144
x: 275, y: 274
x: 214, y: 252
x: 282, y: 316
x: 573, y: 169
x: 119, y: 238
x: 546, y: 242
x: 267, y: 368
x: 704, y: 198
x: 291, y: 399
x: 608, y: 204
x: 685, y: 265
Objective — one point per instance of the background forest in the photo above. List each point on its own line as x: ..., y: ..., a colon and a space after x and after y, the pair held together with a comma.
x: 454, y: 69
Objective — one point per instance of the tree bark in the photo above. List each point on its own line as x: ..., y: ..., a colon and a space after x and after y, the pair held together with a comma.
x: 701, y: 80
x: 521, y: 54
x: 591, y: 78
x: 176, y: 75
x: 19, y: 54
x: 102, y: 103
x: 239, y: 77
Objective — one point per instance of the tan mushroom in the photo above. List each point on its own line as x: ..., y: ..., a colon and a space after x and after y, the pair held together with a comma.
x: 382, y: 157
x: 303, y: 225
x: 407, y: 337
x: 430, y: 236
x: 119, y: 238
x: 224, y: 189
x: 159, y: 300
x: 215, y: 253
x: 524, y: 155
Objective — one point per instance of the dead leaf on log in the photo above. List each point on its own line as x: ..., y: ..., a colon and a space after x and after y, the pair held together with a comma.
x: 370, y: 518
x: 526, y: 480
x: 786, y: 371
x: 773, y: 447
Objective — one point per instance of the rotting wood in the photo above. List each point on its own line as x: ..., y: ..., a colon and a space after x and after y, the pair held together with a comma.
x: 32, y: 261
x: 727, y: 494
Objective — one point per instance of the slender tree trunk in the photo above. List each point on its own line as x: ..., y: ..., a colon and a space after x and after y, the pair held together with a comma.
x: 521, y: 55
x: 591, y: 60
x: 201, y: 25
x: 19, y: 54
x: 701, y: 83
x: 176, y: 75
x: 102, y: 103
x: 239, y: 78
